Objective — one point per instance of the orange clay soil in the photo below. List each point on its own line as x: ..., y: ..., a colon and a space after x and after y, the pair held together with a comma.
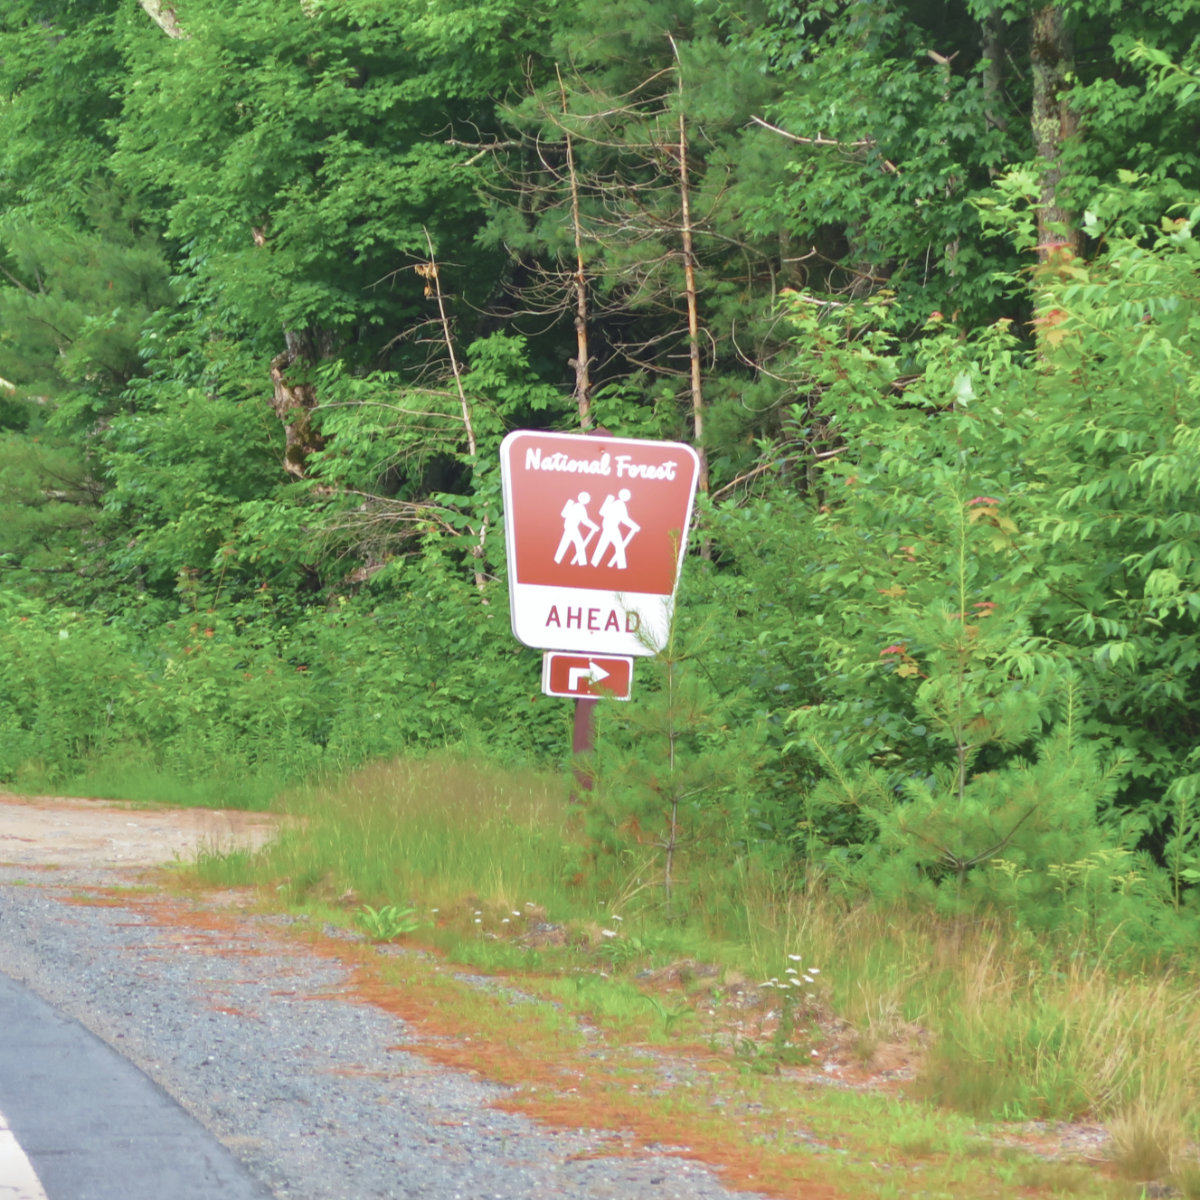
x: 558, y: 1076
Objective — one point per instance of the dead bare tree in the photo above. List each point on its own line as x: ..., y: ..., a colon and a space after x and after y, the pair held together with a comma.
x: 583, y: 358
x: 433, y: 286
x: 689, y: 274
x: 630, y: 208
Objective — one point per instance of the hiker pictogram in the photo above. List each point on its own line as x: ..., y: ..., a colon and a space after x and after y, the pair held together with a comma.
x: 575, y: 517
x: 615, y: 518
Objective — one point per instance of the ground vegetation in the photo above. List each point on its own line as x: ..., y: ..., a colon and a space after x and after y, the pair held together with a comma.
x: 919, y: 281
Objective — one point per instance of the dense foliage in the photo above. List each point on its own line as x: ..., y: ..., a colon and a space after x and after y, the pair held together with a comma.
x: 920, y: 281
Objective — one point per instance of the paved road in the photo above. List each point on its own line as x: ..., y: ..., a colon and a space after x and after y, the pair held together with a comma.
x: 318, y: 1095
x: 91, y: 1124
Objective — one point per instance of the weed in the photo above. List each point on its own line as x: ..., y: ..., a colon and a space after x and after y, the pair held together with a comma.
x: 621, y: 951
x: 388, y: 922
x: 669, y: 1016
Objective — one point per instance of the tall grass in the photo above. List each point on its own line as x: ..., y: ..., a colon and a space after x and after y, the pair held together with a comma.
x: 230, y: 785
x: 435, y: 832
x: 1005, y: 1027
x: 1000, y: 1024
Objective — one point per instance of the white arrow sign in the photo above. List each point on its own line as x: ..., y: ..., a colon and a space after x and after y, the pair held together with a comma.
x: 584, y: 676
x: 593, y: 673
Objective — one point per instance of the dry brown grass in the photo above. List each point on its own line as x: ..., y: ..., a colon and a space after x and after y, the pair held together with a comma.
x: 1147, y: 1136
x: 1012, y: 1032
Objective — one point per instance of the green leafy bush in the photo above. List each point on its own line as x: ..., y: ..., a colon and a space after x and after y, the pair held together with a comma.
x: 992, y: 614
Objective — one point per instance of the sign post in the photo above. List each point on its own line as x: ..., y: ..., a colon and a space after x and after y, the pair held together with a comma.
x: 596, y: 529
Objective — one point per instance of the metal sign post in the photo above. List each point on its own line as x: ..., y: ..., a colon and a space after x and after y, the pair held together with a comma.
x: 596, y: 529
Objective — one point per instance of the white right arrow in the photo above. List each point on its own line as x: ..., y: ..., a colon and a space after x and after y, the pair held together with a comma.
x: 593, y: 673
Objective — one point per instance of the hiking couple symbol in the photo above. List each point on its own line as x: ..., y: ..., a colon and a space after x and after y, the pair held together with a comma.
x: 617, y: 529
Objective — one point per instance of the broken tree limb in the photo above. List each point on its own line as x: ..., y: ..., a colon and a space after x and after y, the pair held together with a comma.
x: 163, y: 15
x: 858, y: 144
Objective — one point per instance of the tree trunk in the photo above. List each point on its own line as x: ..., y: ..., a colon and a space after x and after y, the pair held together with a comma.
x: 689, y: 275
x: 991, y: 45
x: 583, y: 380
x: 294, y: 402
x: 163, y: 15
x: 1054, y: 124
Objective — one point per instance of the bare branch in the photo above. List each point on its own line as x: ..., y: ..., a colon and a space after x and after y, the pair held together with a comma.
x: 482, y: 149
x: 859, y: 144
x: 511, y: 144
x: 163, y: 15
x: 18, y: 284
x: 761, y: 469
x: 396, y: 408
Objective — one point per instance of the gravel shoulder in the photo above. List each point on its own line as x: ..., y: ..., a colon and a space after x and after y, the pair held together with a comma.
x: 321, y: 1096
x: 59, y: 831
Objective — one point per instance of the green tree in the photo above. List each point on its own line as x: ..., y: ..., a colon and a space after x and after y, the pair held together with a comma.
x: 999, y: 581
x: 619, y: 194
x: 897, y: 116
